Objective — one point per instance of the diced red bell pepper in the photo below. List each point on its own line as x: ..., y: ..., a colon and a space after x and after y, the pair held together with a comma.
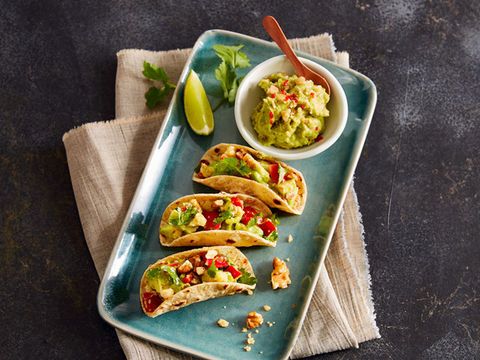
x: 211, y: 216
x: 221, y: 262
x: 208, y: 263
x: 249, y: 213
x: 273, y: 170
x: 237, y: 202
x: 319, y: 138
x: 267, y: 226
x: 187, y: 279
x: 151, y: 301
x: 235, y: 273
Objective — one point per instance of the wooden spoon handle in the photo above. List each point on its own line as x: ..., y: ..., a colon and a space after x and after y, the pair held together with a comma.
x: 275, y: 31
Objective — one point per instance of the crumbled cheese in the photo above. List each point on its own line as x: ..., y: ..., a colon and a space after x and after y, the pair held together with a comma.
x: 250, y: 341
x: 267, y: 308
x: 198, y: 220
x: 218, y: 202
x: 185, y: 268
x: 223, y: 323
x: 290, y: 238
x: 244, y: 330
x: 211, y: 254
x: 247, y: 348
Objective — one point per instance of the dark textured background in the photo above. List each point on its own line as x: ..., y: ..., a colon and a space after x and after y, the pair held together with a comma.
x: 418, y: 179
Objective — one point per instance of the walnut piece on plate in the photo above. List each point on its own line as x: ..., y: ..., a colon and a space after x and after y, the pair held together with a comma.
x: 254, y: 320
x: 280, y: 274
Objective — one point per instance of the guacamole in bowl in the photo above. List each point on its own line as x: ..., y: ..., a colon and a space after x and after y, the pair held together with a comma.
x: 329, y: 115
x: 292, y: 113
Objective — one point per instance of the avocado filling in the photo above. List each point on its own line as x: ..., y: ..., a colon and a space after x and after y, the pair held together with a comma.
x: 165, y: 280
x: 228, y: 213
x: 292, y: 113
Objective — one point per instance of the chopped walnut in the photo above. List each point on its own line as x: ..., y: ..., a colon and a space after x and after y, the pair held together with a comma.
x: 254, y: 320
x: 250, y: 341
x: 200, y: 270
x: 247, y: 348
x: 280, y: 274
x: 218, y: 203
x: 290, y: 238
x: 167, y: 293
x: 211, y: 254
x: 223, y: 323
x: 185, y: 268
x: 267, y: 308
x: 198, y: 220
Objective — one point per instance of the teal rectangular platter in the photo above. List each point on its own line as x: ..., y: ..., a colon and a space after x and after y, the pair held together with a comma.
x: 168, y: 175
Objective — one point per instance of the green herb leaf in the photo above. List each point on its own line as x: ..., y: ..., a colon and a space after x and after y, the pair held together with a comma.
x: 232, y: 59
x: 175, y: 280
x: 155, y: 95
x: 184, y: 216
x: 224, y: 215
x: 273, y: 236
x: 232, y: 55
x: 212, y: 270
x: 281, y: 173
x: 246, y: 278
x: 275, y: 219
x: 252, y: 221
x: 153, y: 273
x: 231, y: 166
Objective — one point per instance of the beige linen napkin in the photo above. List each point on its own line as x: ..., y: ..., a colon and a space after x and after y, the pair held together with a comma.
x: 106, y: 160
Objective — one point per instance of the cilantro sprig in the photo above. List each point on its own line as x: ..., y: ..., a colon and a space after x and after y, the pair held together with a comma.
x: 155, y: 95
x: 246, y: 278
x: 232, y: 59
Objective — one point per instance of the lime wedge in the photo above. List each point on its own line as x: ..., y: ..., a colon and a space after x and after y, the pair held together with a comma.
x: 197, y: 108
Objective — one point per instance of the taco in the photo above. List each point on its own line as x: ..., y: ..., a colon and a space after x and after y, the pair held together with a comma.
x: 235, y: 168
x: 192, y: 276
x: 218, y: 219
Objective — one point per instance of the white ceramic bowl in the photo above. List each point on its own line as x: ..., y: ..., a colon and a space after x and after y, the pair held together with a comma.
x: 249, y: 95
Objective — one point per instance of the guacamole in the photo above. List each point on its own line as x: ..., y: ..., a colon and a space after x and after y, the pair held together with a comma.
x: 292, y: 113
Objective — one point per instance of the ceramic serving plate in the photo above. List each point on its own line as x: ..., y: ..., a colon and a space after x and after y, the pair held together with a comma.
x: 168, y: 175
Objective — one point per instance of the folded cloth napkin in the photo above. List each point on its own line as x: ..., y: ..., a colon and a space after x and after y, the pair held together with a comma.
x: 106, y: 160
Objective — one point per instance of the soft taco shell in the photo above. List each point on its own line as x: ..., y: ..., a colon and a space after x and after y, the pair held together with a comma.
x: 238, y: 238
x: 203, y: 291
x: 236, y: 184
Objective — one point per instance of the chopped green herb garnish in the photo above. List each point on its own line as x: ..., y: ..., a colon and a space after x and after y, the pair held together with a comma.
x: 181, y: 217
x: 246, y: 278
x: 224, y: 215
x: 212, y: 270
x: 231, y: 166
